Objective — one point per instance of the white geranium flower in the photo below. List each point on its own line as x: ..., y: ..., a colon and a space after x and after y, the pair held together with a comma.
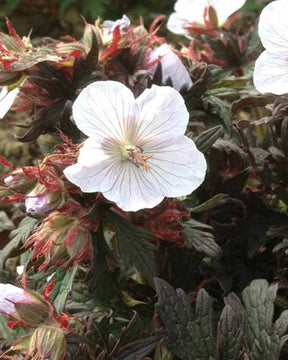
x: 7, y: 99
x: 172, y: 67
x: 136, y: 153
x: 193, y: 11
x: 271, y: 68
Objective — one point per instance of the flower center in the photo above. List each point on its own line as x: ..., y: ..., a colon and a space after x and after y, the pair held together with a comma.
x: 134, y: 154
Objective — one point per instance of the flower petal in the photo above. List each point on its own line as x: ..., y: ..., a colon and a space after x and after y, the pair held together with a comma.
x: 273, y: 26
x: 124, y: 23
x: 193, y: 10
x: 271, y: 73
x: 225, y: 8
x: 172, y: 67
x: 10, y: 294
x: 178, y: 166
x: 176, y: 25
x: 101, y: 108
x: 134, y: 190
x: 162, y: 113
x: 97, y: 168
x: 7, y: 100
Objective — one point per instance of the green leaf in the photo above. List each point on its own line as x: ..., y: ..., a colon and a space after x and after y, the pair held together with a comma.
x: 63, y: 286
x: 17, y: 236
x: 222, y: 109
x: 230, y: 329
x: 207, y: 138
x: 197, y: 236
x: 137, y: 349
x: 215, y: 201
x: 98, y: 277
x: 133, y: 246
x: 8, y: 334
x: 132, y: 331
x: 264, y: 340
x: 5, y: 222
x: 188, y: 335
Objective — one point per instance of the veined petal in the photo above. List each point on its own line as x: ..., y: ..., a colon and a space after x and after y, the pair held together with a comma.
x: 101, y: 107
x: 172, y: 67
x: 162, y: 113
x: 10, y: 294
x: 177, y: 166
x: 271, y: 73
x: 176, y: 25
x: 134, y: 189
x: 225, y: 8
x: 273, y: 26
x: 174, y: 170
x: 97, y: 168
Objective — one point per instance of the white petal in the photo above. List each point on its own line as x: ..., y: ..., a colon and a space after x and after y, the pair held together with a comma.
x: 273, y: 26
x: 12, y: 293
x: 176, y: 24
x: 124, y: 23
x: 162, y: 113
x: 193, y: 10
x: 134, y: 190
x: 7, y: 100
x: 178, y: 166
x: 271, y: 73
x: 97, y: 167
x: 174, y: 170
x: 101, y: 107
x: 225, y: 8
x: 172, y: 67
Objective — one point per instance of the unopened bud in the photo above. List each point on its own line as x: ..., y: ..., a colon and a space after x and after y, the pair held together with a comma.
x: 40, y: 201
x: 212, y: 15
x: 24, y: 305
x: 47, y: 342
x: 17, y: 180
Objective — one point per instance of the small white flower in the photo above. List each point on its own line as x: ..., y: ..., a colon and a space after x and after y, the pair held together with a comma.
x: 172, y: 67
x: 7, y: 99
x: 192, y: 11
x: 10, y: 294
x: 136, y: 153
x: 271, y: 68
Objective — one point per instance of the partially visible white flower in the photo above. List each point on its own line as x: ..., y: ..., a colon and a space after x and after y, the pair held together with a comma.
x: 136, y: 153
x: 10, y: 294
x: 7, y: 99
x: 124, y: 23
x: 172, y: 67
x: 188, y: 12
x: 271, y: 68
x: 108, y: 26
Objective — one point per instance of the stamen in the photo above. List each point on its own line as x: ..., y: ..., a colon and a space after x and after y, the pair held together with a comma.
x: 136, y: 157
